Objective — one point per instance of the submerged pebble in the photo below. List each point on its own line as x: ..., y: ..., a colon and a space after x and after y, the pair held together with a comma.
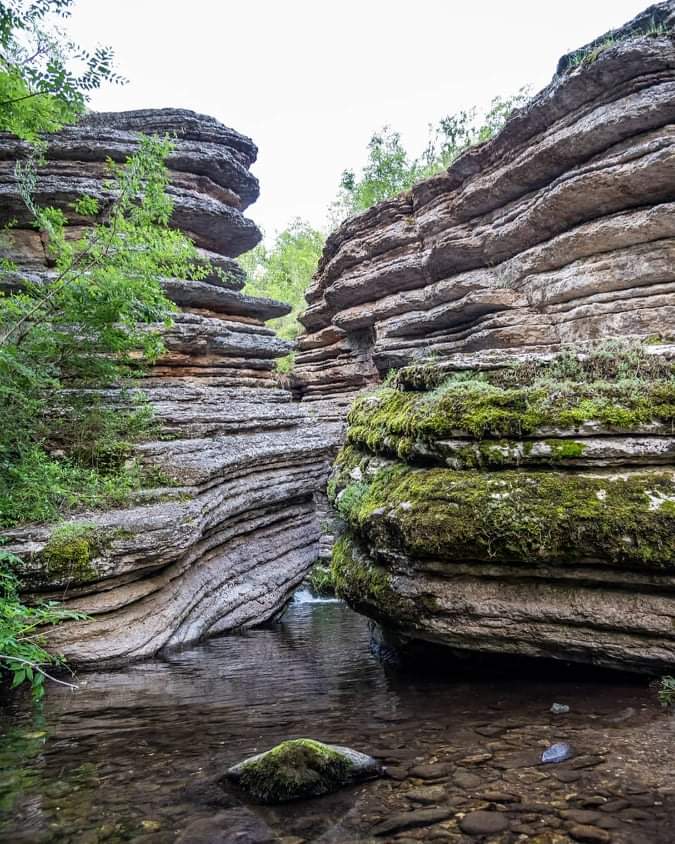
x: 558, y: 752
x: 560, y: 709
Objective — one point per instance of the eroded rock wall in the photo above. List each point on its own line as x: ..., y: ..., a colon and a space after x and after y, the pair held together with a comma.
x: 230, y: 529
x: 512, y: 490
x: 557, y: 232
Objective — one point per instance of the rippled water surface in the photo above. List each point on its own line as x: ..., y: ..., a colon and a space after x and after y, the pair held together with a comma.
x: 135, y: 754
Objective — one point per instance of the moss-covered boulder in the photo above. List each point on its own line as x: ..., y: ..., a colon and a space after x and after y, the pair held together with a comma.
x: 301, y: 768
x: 525, y: 511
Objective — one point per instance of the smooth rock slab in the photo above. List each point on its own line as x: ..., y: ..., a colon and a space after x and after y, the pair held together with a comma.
x: 411, y: 820
x: 483, y: 823
x: 301, y: 768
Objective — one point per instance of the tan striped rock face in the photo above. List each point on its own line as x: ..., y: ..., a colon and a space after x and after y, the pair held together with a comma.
x: 232, y: 530
x: 557, y: 232
x: 501, y: 496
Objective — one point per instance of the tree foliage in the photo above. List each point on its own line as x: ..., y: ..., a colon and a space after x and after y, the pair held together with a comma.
x: 283, y: 271
x: 83, y: 328
x: 390, y: 169
x: 44, y: 77
x: 67, y: 334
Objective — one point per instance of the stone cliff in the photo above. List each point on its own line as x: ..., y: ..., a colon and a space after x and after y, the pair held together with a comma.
x: 512, y: 488
x: 557, y: 232
x: 231, y: 530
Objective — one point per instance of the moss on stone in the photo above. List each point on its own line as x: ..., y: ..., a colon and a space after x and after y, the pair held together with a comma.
x: 505, y: 516
x: 565, y: 449
x: 69, y: 552
x: 295, y: 769
x: 392, y: 420
x: 355, y: 575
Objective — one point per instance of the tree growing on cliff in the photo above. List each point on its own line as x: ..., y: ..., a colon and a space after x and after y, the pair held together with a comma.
x: 94, y: 320
x: 45, y: 77
x: 390, y: 169
x: 92, y: 323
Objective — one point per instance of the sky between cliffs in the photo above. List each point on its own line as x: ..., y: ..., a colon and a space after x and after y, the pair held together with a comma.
x: 310, y: 81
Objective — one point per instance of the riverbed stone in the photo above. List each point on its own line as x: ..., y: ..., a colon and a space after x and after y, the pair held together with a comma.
x: 580, y: 816
x: 431, y: 771
x: 483, y: 823
x: 301, y: 768
x: 427, y: 795
x: 412, y: 819
x: 589, y: 834
x: 465, y: 779
x: 236, y: 826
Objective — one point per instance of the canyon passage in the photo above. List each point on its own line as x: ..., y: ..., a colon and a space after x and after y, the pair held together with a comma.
x: 477, y: 436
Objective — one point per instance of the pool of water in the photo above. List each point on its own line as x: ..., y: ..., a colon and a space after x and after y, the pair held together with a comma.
x: 135, y: 754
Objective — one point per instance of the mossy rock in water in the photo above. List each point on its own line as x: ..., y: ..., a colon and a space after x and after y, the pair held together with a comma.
x: 301, y: 768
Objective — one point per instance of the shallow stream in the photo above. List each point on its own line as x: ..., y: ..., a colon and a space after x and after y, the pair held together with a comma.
x: 134, y: 755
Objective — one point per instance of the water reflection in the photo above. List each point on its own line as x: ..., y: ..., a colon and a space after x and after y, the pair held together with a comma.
x: 133, y: 754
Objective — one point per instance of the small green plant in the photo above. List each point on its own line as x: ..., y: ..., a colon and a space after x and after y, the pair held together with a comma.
x: 284, y: 365
x: 350, y: 498
x: 320, y: 580
x: 22, y: 641
x: 666, y: 691
x: 585, y: 57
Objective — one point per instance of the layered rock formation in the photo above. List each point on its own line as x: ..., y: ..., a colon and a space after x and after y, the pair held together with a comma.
x: 229, y: 529
x: 532, y: 516
x: 504, y: 499
x: 558, y: 231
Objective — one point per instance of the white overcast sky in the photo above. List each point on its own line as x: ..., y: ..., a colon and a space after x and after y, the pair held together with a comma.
x: 310, y: 81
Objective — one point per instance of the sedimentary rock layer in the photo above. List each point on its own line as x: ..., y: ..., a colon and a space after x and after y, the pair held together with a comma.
x: 557, y: 232
x: 533, y: 517
x: 512, y: 489
x: 227, y: 526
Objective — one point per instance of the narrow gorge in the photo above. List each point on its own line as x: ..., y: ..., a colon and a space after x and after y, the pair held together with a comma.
x: 476, y: 438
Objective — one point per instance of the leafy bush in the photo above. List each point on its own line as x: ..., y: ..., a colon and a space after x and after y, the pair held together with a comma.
x: 22, y: 652
x: 666, y: 691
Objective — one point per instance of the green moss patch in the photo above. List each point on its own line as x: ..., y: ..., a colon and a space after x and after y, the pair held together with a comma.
x: 508, y: 516
x: 391, y: 420
x: 295, y: 769
x: 69, y: 552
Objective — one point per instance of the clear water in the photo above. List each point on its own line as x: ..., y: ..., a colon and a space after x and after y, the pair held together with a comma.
x: 134, y: 755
